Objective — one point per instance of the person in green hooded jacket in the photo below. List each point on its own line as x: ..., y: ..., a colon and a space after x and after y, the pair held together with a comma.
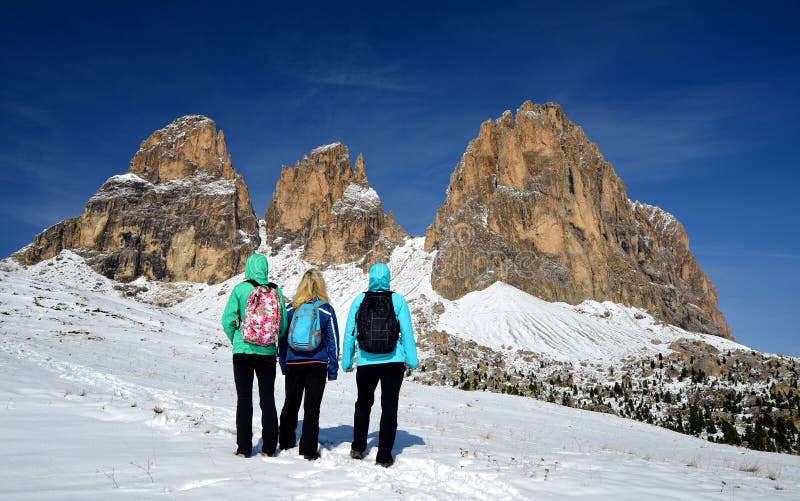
x: 250, y: 359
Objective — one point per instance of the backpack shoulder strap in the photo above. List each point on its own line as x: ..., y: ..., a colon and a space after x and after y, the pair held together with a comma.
x: 256, y: 284
x: 271, y: 285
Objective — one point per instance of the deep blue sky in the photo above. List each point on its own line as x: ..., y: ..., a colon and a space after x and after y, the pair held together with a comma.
x: 695, y: 105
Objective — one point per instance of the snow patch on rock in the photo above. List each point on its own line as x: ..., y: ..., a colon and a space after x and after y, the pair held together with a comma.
x: 324, y: 148
x: 128, y: 185
x: 658, y: 218
x: 357, y: 197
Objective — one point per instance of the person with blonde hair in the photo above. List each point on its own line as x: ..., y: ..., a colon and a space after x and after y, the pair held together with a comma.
x: 308, y: 352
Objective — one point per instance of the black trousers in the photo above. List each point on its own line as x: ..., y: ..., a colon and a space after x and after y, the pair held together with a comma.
x: 263, y: 366
x: 309, y: 379
x: 390, y: 375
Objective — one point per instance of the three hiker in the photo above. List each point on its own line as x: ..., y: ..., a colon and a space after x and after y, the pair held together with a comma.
x: 306, y: 337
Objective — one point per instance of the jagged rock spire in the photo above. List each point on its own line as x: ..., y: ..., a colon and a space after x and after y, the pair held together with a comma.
x: 330, y: 209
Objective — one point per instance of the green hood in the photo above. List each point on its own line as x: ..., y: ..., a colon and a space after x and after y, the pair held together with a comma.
x: 379, y: 277
x: 256, y: 268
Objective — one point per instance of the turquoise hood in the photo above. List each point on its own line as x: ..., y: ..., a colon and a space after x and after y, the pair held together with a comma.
x: 256, y: 268
x: 406, y: 349
x: 379, y: 277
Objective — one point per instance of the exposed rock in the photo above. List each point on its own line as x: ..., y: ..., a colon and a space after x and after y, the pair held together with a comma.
x: 534, y: 204
x: 330, y: 209
x: 180, y: 213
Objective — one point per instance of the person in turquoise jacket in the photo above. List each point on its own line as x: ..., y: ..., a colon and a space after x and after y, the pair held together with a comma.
x: 373, y: 368
x: 250, y: 359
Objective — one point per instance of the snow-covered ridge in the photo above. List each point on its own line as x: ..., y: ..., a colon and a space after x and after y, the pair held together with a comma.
x: 177, y: 129
x: 130, y: 184
x: 324, y: 148
x: 658, y: 218
x: 500, y: 315
x: 357, y: 197
x: 533, y: 114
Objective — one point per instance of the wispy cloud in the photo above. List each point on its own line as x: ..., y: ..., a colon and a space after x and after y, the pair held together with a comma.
x: 351, y: 62
x: 377, y: 78
x: 28, y: 114
x: 36, y: 215
x: 667, y: 135
x: 747, y: 253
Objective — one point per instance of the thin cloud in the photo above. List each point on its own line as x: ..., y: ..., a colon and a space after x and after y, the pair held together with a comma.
x: 352, y: 63
x: 378, y: 78
x: 39, y: 216
x: 30, y: 115
x: 747, y: 253
x: 665, y: 136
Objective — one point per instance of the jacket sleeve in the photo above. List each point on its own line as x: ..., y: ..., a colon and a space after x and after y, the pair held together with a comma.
x: 348, y: 344
x: 332, y: 344
x: 283, y: 342
x: 284, y: 320
x: 230, y: 316
x: 406, y: 332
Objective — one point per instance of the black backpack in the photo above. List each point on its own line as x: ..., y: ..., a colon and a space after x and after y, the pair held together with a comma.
x: 378, y: 328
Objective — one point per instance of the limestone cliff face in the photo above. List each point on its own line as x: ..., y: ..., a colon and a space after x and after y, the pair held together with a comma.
x: 534, y: 204
x: 180, y: 213
x: 330, y: 209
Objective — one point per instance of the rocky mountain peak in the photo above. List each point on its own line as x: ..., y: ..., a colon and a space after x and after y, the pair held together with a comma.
x: 181, y: 212
x: 188, y: 146
x: 533, y: 203
x: 330, y: 209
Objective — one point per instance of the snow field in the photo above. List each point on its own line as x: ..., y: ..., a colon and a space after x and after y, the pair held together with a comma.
x: 500, y: 315
x: 105, y: 396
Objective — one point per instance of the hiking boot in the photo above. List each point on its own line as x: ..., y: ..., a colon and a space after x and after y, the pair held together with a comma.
x: 311, y: 457
x: 241, y: 454
x: 266, y: 454
x: 356, y: 455
x: 385, y: 464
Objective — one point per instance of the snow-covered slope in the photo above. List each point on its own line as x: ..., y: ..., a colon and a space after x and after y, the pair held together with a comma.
x: 103, y: 396
x: 500, y: 315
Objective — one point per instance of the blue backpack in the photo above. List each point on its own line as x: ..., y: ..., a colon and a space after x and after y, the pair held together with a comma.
x: 304, y: 332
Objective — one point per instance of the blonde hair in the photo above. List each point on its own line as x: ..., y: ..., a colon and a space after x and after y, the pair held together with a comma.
x: 312, y: 285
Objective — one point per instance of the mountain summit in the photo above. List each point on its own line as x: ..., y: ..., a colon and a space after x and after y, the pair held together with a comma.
x: 533, y: 203
x: 180, y: 213
x: 329, y: 209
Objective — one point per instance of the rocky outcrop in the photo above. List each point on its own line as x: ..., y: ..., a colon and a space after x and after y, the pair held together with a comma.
x: 180, y: 213
x: 330, y: 209
x: 534, y: 204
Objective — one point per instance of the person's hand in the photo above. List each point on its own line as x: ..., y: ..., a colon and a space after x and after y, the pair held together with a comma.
x: 349, y: 370
x: 329, y: 379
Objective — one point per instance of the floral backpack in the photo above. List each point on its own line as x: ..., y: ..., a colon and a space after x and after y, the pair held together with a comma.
x: 262, y: 315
